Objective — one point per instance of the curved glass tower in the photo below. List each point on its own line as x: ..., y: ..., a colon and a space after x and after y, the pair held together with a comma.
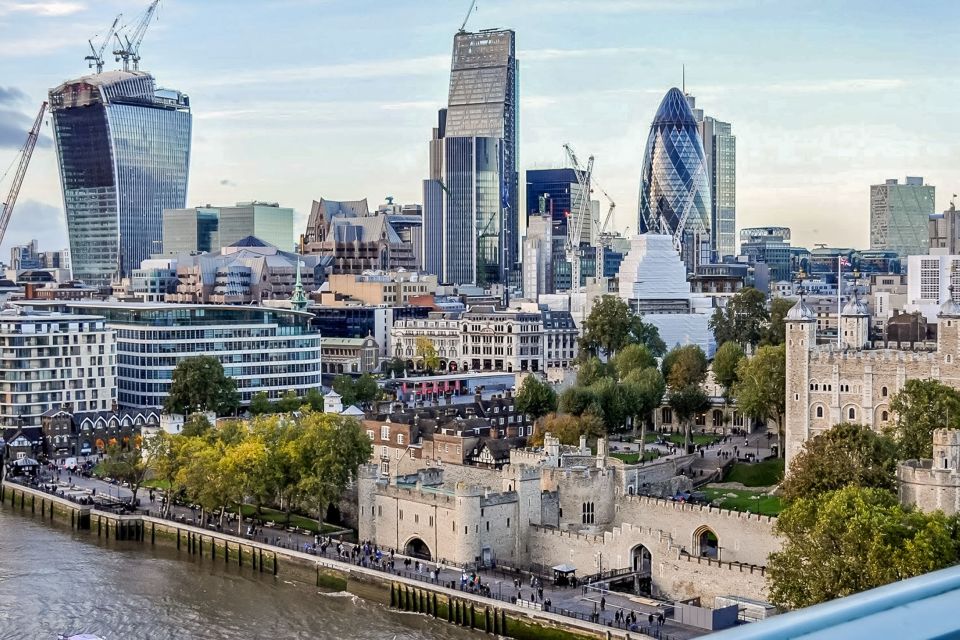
x: 674, y: 186
x: 124, y: 151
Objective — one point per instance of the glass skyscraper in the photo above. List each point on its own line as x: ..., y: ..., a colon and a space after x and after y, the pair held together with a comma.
x: 674, y: 185
x: 473, y: 160
x: 720, y: 151
x: 900, y: 216
x: 123, y: 147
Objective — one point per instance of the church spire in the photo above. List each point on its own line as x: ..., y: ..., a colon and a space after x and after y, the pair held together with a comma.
x: 299, y: 299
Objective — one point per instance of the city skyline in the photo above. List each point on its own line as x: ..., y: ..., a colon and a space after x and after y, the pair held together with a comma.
x: 814, y: 130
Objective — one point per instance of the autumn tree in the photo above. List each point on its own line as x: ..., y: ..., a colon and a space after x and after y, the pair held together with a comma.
x: 199, y: 384
x: 845, y: 455
x: 685, y: 365
x: 567, y: 428
x: 129, y: 464
x: 761, y: 387
x: 919, y: 408
x: 427, y: 353
x: 846, y: 541
x: 535, y: 398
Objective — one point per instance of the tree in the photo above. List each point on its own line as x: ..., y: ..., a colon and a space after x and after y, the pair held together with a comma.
x: 199, y: 384
x: 776, y: 332
x: 725, y: 362
x: 685, y: 366
x: 536, y: 398
x: 744, y: 319
x: 196, y: 426
x: 607, y: 329
x: 687, y: 402
x: 845, y: 455
x: 361, y: 390
x: 647, y: 334
x: 643, y: 391
x: 128, y: 464
x: 260, y: 404
x: 575, y: 400
x: 608, y: 403
x: 427, y: 353
x: 331, y: 449
x: 289, y: 402
x: 850, y: 540
x: 920, y: 407
x: 315, y: 399
x: 591, y: 370
x: 243, y: 468
x: 633, y: 357
x: 170, y: 454
x: 396, y: 367
x: 761, y: 389
x: 567, y: 428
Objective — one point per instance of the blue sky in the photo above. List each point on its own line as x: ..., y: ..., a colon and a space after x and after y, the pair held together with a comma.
x: 298, y: 99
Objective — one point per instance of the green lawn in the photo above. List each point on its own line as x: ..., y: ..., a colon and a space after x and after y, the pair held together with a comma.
x: 156, y: 483
x: 302, y: 522
x: 744, y: 500
x: 760, y: 474
x: 633, y: 457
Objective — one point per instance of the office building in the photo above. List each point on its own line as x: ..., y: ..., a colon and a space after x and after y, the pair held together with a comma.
x: 769, y: 246
x: 900, y: 216
x: 352, y: 320
x: 209, y: 229
x: 557, y: 194
x: 471, y: 195
x: 675, y: 182
x: 929, y: 282
x: 29, y: 256
x: 538, y: 264
x: 123, y: 147
x: 944, y: 231
x: 54, y: 361
x: 354, y: 239
x: 720, y: 151
x: 382, y: 287
x: 263, y: 349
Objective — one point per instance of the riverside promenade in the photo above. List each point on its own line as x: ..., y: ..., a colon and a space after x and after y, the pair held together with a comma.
x: 392, y: 588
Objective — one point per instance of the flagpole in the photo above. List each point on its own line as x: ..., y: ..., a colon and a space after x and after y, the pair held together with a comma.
x: 839, y: 289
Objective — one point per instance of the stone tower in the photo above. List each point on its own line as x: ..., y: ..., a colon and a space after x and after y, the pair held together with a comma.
x: 946, y: 449
x: 801, y: 338
x: 855, y: 324
x: 948, y: 330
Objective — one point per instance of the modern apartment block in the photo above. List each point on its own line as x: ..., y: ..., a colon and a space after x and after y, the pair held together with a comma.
x: 900, y: 216
x: 123, y: 147
x: 52, y: 361
x: 263, y: 349
x: 209, y: 229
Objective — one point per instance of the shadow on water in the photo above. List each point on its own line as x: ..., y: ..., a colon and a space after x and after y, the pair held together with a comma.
x: 54, y: 580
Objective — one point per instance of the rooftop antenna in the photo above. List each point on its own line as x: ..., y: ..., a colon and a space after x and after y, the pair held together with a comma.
x: 683, y: 78
x: 96, y: 59
x: 463, y: 27
x: 129, y: 49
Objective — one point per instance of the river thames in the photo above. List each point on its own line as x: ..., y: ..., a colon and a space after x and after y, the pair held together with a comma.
x: 53, y: 580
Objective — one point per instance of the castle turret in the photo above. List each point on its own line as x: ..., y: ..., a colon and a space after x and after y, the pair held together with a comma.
x: 946, y: 449
x: 948, y: 329
x: 801, y: 337
x: 855, y: 324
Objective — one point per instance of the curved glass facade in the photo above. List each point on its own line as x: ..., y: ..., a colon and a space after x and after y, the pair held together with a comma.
x: 674, y: 185
x: 124, y: 152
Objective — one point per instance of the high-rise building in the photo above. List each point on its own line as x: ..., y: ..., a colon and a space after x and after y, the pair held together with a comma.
x: 720, y: 150
x: 944, y: 231
x: 124, y: 154
x: 769, y: 246
x: 900, y: 216
x: 675, y: 181
x: 209, y: 229
x: 474, y: 164
x: 538, y: 257
x: 559, y: 194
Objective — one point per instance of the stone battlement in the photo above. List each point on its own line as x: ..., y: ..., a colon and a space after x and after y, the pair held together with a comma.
x: 593, y: 538
x: 831, y: 354
x: 660, y: 503
x: 922, y: 472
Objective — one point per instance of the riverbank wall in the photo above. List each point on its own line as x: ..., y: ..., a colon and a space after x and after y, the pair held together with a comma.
x: 488, y: 615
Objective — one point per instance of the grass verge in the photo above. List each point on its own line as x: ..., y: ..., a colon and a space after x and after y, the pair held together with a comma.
x: 741, y: 500
x: 760, y: 474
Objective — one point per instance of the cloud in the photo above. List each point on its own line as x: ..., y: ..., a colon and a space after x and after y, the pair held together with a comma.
x: 852, y: 85
x: 636, y: 6
x: 226, y: 182
x: 547, y: 55
x: 44, y: 9
x: 9, y: 95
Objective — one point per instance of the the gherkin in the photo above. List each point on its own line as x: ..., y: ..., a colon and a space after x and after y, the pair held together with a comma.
x: 674, y: 185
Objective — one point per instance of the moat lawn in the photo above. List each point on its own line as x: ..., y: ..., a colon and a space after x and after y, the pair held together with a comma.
x: 760, y: 474
x: 741, y: 500
x: 632, y: 457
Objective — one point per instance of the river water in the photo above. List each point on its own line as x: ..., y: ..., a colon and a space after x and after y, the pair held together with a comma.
x: 53, y: 580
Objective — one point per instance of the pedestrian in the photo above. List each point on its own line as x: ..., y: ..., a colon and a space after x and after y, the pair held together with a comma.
x: 650, y: 619
x: 660, y: 619
x: 603, y: 603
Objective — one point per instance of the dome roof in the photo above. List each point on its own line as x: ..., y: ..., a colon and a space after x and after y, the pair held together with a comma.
x: 674, y: 109
x: 949, y: 309
x: 801, y: 312
x: 855, y: 307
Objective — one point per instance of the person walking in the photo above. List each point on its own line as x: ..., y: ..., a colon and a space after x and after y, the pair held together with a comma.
x: 603, y: 603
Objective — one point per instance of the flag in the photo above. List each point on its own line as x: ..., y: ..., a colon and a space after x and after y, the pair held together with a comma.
x: 844, y: 262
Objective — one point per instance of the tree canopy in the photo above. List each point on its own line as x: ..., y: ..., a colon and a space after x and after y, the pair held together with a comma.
x: 607, y: 329
x: 567, y: 428
x: 642, y: 392
x: 776, y: 332
x: 761, y: 388
x: 427, y: 353
x: 633, y: 357
x: 842, y: 542
x: 919, y: 408
x: 199, y: 384
x: 845, y: 455
x: 687, y: 402
x: 536, y: 398
x: 360, y: 390
x: 743, y: 320
x: 725, y: 363
x: 684, y: 366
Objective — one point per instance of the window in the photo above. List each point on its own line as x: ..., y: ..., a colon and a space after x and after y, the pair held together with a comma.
x: 508, y: 523
x: 883, y: 391
x: 666, y: 415
x: 819, y: 412
x: 884, y: 416
x: 399, y: 438
x: 384, y: 432
x: 587, y: 513
x: 852, y: 413
x: 370, y: 434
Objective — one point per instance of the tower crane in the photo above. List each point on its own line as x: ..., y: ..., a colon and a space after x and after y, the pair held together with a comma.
x: 129, y: 49
x: 604, y: 238
x: 26, y: 152
x: 575, y: 226
x: 463, y: 27
x: 96, y: 60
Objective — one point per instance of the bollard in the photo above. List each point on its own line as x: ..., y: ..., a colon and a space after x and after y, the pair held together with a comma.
x: 33, y: 504
x: 261, y: 561
x: 274, y: 563
x: 153, y: 533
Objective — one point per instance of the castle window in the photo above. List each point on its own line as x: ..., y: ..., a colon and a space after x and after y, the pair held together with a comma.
x: 852, y: 413
x: 488, y: 525
x: 508, y: 523
x: 883, y: 391
x: 666, y: 415
x: 884, y: 416
x: 379, y: 510
x: 587, y: 513
x: 944, y: 463
x: 819, y: 412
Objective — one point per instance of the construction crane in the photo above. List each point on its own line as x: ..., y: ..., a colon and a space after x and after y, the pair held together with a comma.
x: 575, y: 226
x: 129, y: 49
x: 604, y: 238
x: 25, y: 154
x: 96, y: 60
x: 463, y: 27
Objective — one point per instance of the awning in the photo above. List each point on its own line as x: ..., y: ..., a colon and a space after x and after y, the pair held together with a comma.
x: 564, y: 568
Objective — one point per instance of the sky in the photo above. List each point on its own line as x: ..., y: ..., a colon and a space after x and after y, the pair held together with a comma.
x: 294, y: 100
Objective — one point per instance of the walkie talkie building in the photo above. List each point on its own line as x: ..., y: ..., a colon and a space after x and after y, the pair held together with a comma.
x: 124, y: 152
x: 674, y: 186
